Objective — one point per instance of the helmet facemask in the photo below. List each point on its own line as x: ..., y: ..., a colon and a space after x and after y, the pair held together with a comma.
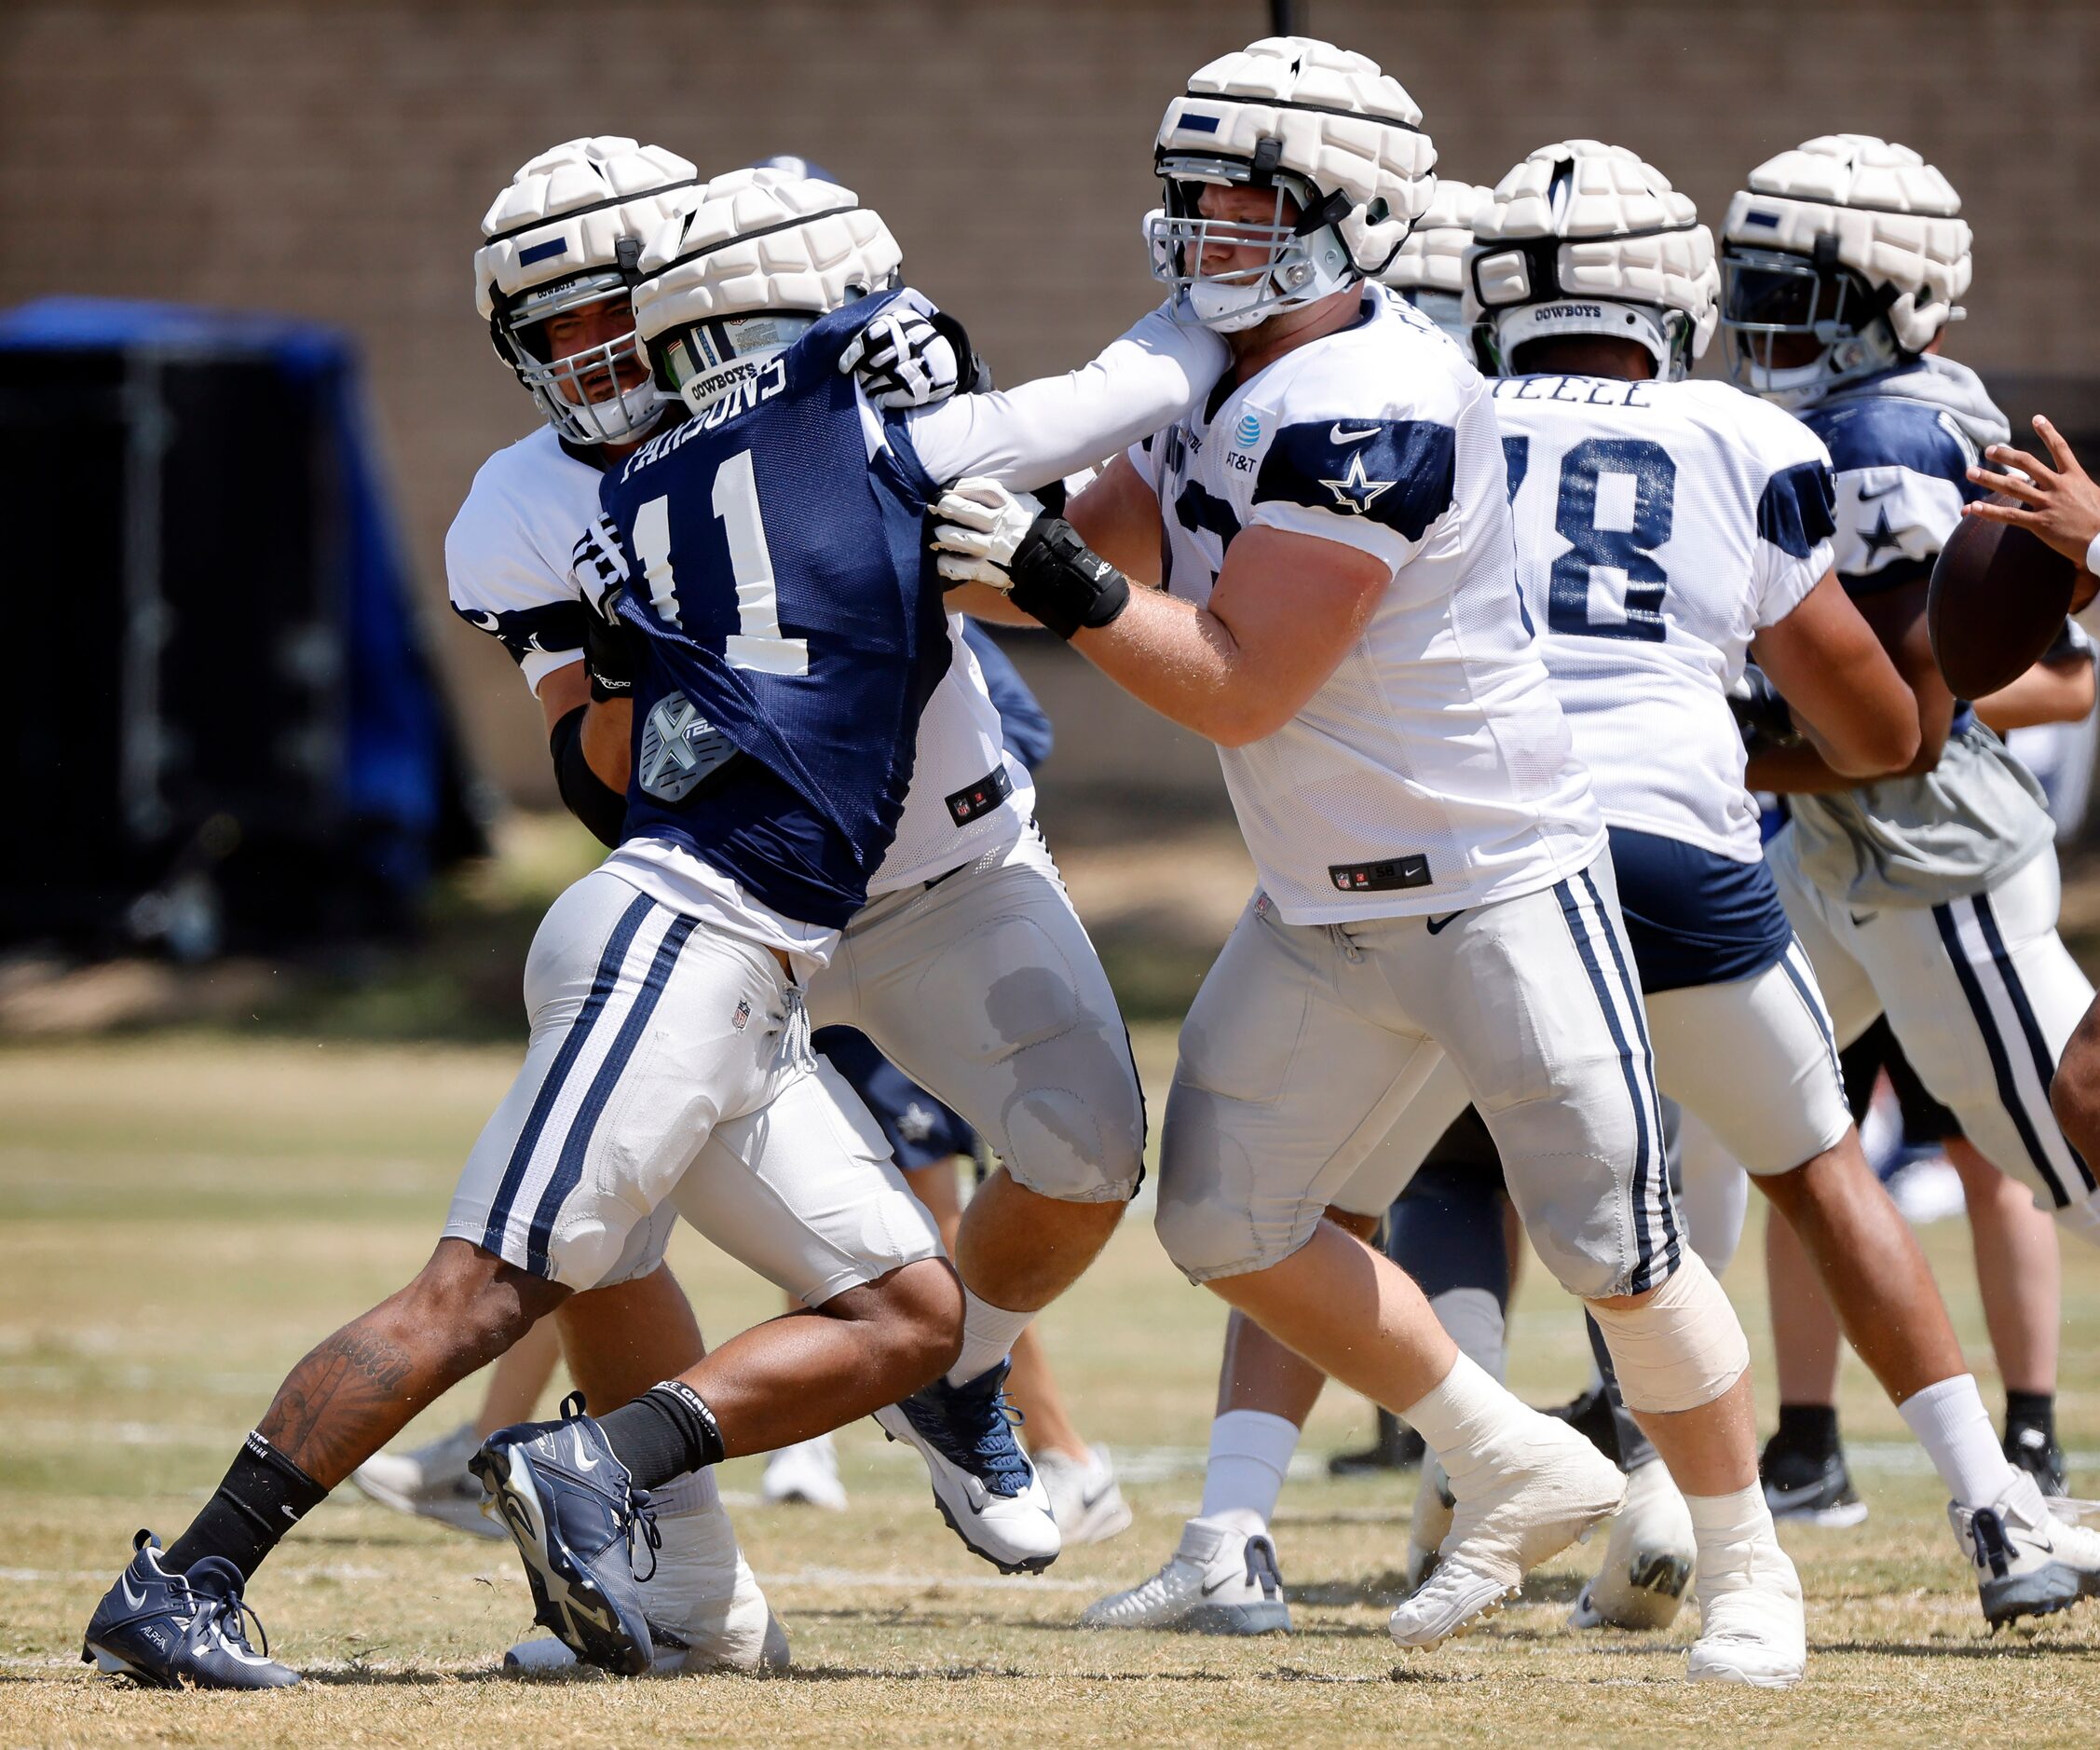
x: 601, y: 394
x: 1303, y: 258
x: 1771, y: 298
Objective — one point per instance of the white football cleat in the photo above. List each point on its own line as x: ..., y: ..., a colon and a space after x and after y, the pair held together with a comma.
x: 1752, y: 1628
x: 704, y: 1608
x: 2028, y: 1562
x: 1084, y: 1495
x: 807, y: 1473
x: 1219, y: 1581
x: 1552, y: 1488
x: 985, y: 1487
x: 1433, y: 1506
x: 432, y: 1481
x: 1648, y: 1562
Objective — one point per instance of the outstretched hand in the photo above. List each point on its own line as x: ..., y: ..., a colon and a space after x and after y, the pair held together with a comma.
x: 2058, y: 503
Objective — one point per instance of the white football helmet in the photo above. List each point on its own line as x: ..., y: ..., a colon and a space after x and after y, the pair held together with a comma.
x: 1586, y: 239
x: 1323, y: 128
x: 1429, y: 269
x: 1843, y: 257
x: 743, y: 274
x: 564, y: 235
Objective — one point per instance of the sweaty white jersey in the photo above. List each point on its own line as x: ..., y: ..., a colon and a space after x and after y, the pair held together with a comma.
x: 1659, y: 528
x: 507, y: 563
x: 1432, y: 771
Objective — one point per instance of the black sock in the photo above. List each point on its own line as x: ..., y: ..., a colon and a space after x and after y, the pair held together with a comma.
x: 1809, y: 1427
x: 264, y: 1495
x: 2031, y: 1409
x: 665, y: 1432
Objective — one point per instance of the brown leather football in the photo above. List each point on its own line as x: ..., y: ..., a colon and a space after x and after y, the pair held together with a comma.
x: 1999, y: 597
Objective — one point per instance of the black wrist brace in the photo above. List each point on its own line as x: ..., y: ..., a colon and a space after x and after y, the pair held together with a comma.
x: 1062, y: 582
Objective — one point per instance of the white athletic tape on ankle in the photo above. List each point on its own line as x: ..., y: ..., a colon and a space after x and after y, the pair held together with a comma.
x: 1682, y: 1349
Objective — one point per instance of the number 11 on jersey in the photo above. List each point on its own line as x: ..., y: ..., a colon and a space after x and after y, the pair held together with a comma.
x: 757, y: 642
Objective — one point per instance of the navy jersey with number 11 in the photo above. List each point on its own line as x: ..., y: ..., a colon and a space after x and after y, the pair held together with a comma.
x: 793, y: 630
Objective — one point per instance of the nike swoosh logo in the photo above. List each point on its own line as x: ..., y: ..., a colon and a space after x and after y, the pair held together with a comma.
x: 1776, y: 1497
x: 583, y: 1459
x: 288, y: 1512
x: 1867, y: 918
x: 1438, y: 925
x: 1335, y: 435
x: 1868, y: 498
x: 135, y: 1599
x: 1215, y: 1585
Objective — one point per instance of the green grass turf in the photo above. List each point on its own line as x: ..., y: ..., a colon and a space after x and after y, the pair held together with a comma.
x: 181, y: 1218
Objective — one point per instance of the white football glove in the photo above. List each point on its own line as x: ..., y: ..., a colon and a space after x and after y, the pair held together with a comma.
x: 902, y: 360
x: 981, y: 528
x: 599, y: 567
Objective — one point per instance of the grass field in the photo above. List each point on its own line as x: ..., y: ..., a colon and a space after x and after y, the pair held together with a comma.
x: 180, y: 1217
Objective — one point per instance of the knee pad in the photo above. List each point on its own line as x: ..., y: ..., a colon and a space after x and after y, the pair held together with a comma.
x: 1061, y: 1145
x: 1682, y: 1349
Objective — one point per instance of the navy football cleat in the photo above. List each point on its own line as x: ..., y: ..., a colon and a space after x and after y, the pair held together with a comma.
x: 983, y: 1482
x: 574, y: 1515
x: 180, y: 1631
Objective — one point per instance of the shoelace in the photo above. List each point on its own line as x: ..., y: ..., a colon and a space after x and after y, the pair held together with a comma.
x: 984, y: 1445
x: 224, y: 1616
x: 640, y: 1515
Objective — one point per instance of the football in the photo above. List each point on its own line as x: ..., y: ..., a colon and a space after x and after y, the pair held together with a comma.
x: 1999, y: 597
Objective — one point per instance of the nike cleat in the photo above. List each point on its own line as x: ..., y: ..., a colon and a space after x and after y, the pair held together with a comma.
x: 1084, y: 1496
x: 180, y: 1631
x: 1552, y: 1487
x: 432, y: 1481
x: 2028, y: 1562
x: 807, y: 1473
x: 983, y: 1482
x: 575, y: 1515
x: 703, y: 1605
x: 1809, y: 1488
x: 1219, y: 1581
x: 1648, y: 1560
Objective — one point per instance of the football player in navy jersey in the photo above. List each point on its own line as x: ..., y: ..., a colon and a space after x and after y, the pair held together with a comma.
x: 669, y: 1069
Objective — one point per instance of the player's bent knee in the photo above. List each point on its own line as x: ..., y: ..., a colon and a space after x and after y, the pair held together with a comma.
x: 482, y: 1301
x: 1355, y: 1221
x: 1680, y: 1347
x: 918, y: 1309
x: 1073, y: 1149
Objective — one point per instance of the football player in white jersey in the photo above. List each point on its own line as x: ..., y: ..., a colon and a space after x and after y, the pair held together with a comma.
x: 1931, y: 896
x: 1340, y: 615
x: 697, y: 1095
x: 1664, y: 528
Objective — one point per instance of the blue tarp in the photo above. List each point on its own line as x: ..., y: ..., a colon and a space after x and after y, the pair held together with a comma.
x: 399, y: 763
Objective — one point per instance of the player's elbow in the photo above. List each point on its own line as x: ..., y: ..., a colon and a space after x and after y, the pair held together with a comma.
x: 1239, y: 722
x: 1889, y: 746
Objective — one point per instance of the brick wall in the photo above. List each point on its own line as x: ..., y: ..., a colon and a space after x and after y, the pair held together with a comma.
x: 334, y: 159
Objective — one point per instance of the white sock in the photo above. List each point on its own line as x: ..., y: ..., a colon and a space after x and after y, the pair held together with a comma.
x: 693, y: 1493
x: 1466, y: 1421
x: 1953, y: 1428
x: 1249, y: 1452
x: 988, y: 1335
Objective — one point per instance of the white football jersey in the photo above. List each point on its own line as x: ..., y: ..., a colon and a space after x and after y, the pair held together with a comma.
x: 507, y: 562
x: 1432, y: 771
x: 1659, y: 526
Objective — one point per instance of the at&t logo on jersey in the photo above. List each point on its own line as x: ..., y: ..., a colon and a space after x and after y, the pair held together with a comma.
x: 1248, y: 432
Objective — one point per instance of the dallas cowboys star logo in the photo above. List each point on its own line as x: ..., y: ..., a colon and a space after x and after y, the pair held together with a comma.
x: 1353, y: 492
x: 1881, y: 537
